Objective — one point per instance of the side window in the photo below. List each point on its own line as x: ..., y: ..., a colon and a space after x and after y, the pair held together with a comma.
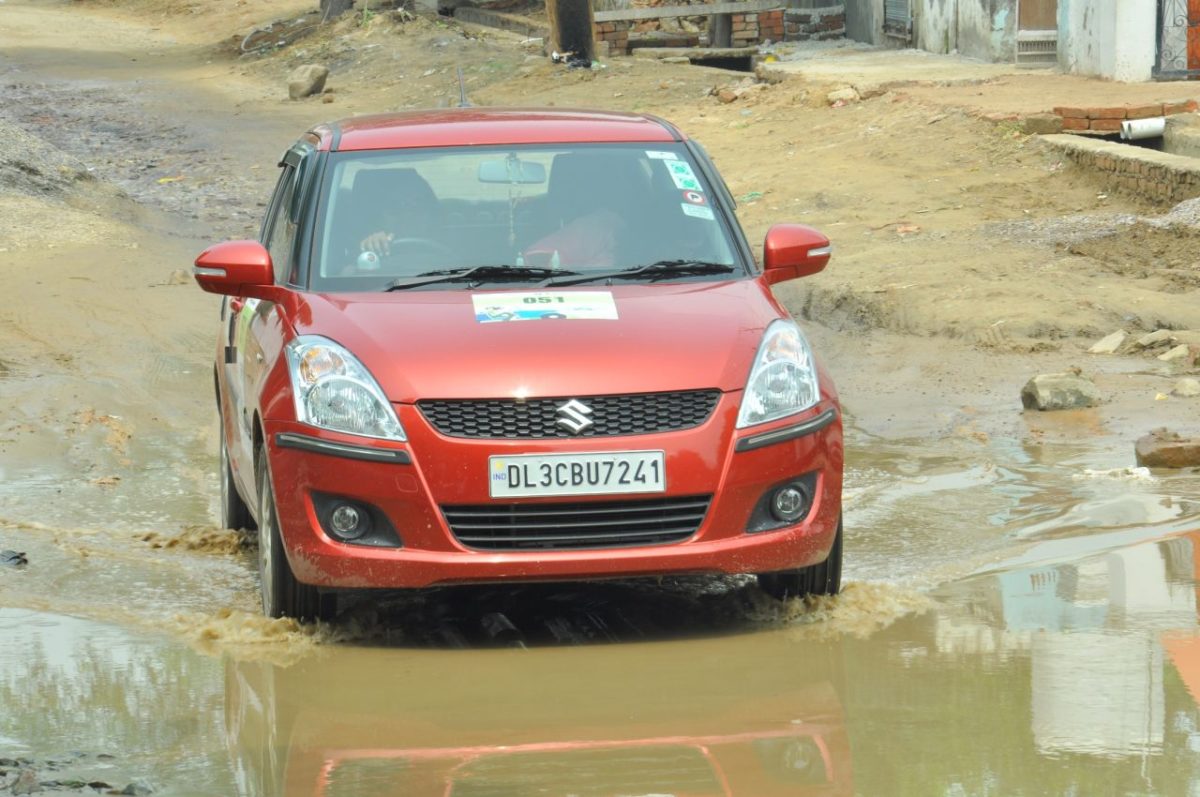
x: 281, y: 227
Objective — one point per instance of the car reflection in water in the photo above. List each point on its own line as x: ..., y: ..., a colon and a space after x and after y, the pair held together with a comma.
x: 691, y: 719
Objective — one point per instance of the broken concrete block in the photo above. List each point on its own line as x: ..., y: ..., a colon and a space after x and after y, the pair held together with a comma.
x: 1156, y: 338
x: 842, y: 95
x: 1180, y: 352
x: 1109, y: 344
x: 1186, y: 388
x: 1065, y: 391
x: 1043, y: 124
x: 1163, y: 448
x: 869, y: 91
x: 304, y: 81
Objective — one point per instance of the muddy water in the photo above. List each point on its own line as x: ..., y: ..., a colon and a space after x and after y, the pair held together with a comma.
x: 1077, y: 677
x: 1061, y: 655
x: 1021, y: 616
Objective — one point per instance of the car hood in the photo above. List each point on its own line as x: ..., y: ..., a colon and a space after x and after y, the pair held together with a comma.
x: 429, y: 344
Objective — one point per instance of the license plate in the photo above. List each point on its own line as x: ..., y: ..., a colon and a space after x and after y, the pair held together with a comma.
x: 530, y: 475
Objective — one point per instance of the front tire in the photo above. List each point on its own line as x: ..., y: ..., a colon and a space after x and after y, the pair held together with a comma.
x: 282, y: 594
x: 824, y: 578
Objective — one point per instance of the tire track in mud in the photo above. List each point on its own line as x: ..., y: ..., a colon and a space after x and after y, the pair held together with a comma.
x: 180, y: 169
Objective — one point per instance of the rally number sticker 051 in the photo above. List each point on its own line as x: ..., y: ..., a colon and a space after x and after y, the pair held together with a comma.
x: 532, y: 306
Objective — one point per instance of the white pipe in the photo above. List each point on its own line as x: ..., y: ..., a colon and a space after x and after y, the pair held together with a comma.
x: 1135, y: 129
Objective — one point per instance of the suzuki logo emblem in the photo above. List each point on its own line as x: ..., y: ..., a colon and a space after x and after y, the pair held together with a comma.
x: 574, y: 416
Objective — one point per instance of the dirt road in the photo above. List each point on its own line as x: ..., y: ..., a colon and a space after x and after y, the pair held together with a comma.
x: 968, y: 259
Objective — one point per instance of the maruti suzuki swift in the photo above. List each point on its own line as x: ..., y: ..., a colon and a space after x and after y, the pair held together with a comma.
x: 480, y: 345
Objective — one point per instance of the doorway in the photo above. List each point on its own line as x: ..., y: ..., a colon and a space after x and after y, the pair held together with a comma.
x: 1177, y: 46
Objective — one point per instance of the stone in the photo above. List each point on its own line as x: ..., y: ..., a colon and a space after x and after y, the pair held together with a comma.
x: 13, y: 558
x: 1186, y: 388
x: 1109, y: 344
x: 1180, y: 352
x: 1156, y: 338
x: 307, y: 80
x: 746, y: 91
x: 1043, y: 124
x: 844, y: 95
x: 26, y: 783
x: 137, y: 788
x: 1163, y: 448
x: 869, y: 91
x: 727, y: 95
x: 1066, y: 391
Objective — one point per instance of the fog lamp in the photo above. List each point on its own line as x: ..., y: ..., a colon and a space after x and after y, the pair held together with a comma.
x: 789, y: 503
x: 348, y: 522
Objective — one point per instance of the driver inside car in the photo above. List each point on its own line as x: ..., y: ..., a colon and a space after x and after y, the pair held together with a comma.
x: 406, y: 219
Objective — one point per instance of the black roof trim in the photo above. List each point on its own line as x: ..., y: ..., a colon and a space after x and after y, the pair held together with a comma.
x: 670, y: 128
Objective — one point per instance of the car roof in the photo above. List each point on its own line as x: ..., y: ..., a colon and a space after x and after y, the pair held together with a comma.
x: 456, y: 127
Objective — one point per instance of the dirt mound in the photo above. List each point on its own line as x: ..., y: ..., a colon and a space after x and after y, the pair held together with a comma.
x: 1141, y: 252
x: 30, y: 165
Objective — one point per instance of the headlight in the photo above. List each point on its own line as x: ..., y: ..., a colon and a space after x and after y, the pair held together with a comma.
x: 334, y: 391
x: 783, y: 380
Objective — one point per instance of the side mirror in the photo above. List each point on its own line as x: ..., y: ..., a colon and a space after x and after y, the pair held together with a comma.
x: 236, y: 268
x: 793, y: 250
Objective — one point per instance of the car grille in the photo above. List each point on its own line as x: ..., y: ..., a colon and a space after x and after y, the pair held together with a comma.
x: 638, y: 413
x: 564, y: 526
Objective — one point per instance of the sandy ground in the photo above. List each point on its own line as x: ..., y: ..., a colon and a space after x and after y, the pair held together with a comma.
x: 947, y: 227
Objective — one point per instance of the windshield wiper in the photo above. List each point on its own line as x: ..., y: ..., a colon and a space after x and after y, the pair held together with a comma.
x: 476, y: 275
x: 656, y: 270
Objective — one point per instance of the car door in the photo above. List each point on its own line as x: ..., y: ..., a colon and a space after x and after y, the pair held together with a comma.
x: 255, y: 330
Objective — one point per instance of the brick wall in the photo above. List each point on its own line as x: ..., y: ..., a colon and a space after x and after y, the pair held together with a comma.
x: 745, y: 30
x: 616, y: 34
x: 827, y: 22
x: 805, y: 24
x: 1108, y: 119
x: 1158, y: 176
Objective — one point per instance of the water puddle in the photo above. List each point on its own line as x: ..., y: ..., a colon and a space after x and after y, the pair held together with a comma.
x: 1080, y: 677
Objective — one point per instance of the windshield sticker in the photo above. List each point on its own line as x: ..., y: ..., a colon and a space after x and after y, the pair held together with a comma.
x: 685, y: 183
x: 661, y: 156
x: 693, y: 197
x: 491, y: 307
x: 698, y: 211
x: 682, y: 174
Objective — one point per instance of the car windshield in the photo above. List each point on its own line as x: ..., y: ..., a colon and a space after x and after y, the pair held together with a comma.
x: 424, y: 218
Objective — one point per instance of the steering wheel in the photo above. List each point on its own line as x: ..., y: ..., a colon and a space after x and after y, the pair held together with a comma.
x: 412, y: 245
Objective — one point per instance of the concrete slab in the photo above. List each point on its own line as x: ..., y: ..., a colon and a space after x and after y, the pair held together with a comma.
x: 889, y: 68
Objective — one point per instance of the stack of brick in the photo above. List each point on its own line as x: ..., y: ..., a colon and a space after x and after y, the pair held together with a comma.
x: 770, y: 25
x: 1108, y: 120
x: 808, y: 24
x: 745, y: 30
x: 616, y: 34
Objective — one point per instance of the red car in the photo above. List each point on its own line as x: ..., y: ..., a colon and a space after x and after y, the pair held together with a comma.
x: 479, y: 345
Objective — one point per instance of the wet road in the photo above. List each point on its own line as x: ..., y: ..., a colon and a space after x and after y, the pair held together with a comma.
x: 1074, y: 678
x: 1021, y: 617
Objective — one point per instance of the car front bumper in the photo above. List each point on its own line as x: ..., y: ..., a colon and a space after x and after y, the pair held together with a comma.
x: 410, y: 482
